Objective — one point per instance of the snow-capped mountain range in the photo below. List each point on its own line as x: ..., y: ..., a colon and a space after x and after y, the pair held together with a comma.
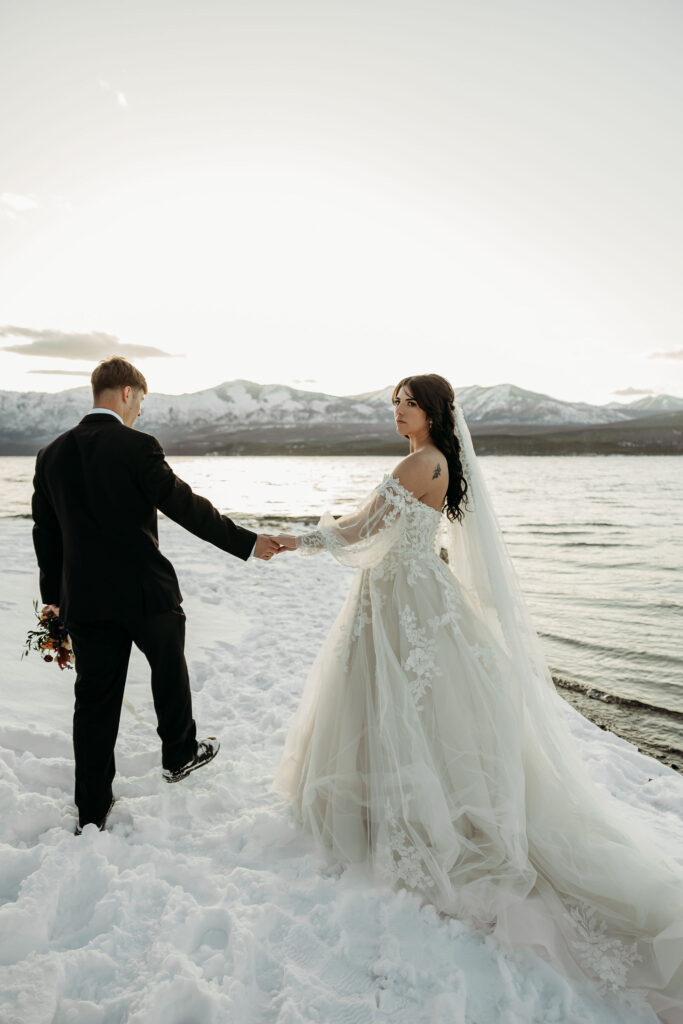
x: 241, y: 410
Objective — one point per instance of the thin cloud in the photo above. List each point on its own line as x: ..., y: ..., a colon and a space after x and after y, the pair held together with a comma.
x: 118, y: 93
x: 62, y: 345
x: 13, y: 204
x: 676, y: 354
x: 634, y: 391
x: 61, y: 373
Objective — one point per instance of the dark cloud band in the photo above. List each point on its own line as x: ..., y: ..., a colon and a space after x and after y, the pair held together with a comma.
x: 633, y: 391
x: 61, y: 345
x: 61, y: 373
x: 676, y: 354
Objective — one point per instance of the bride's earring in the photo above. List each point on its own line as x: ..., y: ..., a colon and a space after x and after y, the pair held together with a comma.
x: 431, y: 423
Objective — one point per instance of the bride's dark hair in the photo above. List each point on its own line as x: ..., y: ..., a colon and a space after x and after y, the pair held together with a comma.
x: 435, y: 397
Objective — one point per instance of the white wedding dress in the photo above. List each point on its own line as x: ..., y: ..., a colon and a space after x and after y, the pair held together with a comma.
x: 430, y: 742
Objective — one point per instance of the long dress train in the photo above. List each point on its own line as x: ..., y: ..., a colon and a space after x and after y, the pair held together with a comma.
x: 415, y: 748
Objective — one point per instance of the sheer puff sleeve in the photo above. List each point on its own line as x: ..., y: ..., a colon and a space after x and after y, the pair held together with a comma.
x: 362, y: 538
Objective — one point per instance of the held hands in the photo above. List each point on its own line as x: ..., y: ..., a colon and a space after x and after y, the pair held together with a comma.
x: 287, y: 541
x: 266, y: 545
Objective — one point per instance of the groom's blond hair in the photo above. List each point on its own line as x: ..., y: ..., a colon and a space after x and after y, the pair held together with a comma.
x: 116, y: 372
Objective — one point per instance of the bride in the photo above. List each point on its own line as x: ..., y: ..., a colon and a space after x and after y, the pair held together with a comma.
x: 431, y: 742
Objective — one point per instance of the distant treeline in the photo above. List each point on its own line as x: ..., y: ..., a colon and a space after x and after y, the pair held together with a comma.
x: 658, y: 435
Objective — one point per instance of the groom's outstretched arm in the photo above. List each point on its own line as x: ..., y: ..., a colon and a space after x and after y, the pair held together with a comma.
x: 177, y: 500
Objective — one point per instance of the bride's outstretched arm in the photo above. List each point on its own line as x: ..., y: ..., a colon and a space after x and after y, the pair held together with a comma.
x: 362, y: 535
x: 343, y: 531
x: 338, y: 535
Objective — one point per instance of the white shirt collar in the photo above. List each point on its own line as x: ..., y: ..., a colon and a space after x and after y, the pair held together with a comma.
x: 110, y: 411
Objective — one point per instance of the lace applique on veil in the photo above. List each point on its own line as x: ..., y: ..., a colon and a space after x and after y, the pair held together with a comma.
x: 398, y: 858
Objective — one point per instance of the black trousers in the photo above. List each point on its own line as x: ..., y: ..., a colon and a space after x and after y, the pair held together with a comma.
x: 102, y: 651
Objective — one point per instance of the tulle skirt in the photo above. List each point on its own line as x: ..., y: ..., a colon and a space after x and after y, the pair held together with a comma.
x: 408, y: 751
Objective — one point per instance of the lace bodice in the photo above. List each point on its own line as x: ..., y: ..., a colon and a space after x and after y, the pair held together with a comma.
x: 421, y: 524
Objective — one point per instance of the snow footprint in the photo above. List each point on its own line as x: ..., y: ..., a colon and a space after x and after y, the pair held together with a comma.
x: 62, y: 906
x: 206, y: 939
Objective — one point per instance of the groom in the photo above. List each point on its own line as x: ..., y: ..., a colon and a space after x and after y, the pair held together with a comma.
x: 97, y: 489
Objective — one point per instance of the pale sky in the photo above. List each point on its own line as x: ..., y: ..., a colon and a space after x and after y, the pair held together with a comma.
x: 336, y: 193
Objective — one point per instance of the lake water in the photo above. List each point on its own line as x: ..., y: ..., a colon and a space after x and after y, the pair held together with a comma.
x: 597, y: 542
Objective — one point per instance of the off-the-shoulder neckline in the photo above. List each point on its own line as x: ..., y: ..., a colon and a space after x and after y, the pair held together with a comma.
x: 410, y: 494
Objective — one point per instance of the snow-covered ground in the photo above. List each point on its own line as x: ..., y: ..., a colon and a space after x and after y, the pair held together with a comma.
x: 203, y: 903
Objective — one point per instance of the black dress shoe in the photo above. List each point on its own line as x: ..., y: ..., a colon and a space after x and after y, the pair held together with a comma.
x: 206, y: 751
x: 100, y: 824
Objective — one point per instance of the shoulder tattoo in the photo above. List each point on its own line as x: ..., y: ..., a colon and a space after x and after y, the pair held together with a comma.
x: 437, y: 471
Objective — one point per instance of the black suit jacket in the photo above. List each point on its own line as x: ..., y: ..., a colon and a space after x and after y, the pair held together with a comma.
x: 97, y: 489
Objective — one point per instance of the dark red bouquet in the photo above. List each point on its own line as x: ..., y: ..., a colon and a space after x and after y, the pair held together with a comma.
x: 51, y: 639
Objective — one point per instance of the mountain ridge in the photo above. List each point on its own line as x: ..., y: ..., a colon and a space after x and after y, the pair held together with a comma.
x: 241, y: 416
